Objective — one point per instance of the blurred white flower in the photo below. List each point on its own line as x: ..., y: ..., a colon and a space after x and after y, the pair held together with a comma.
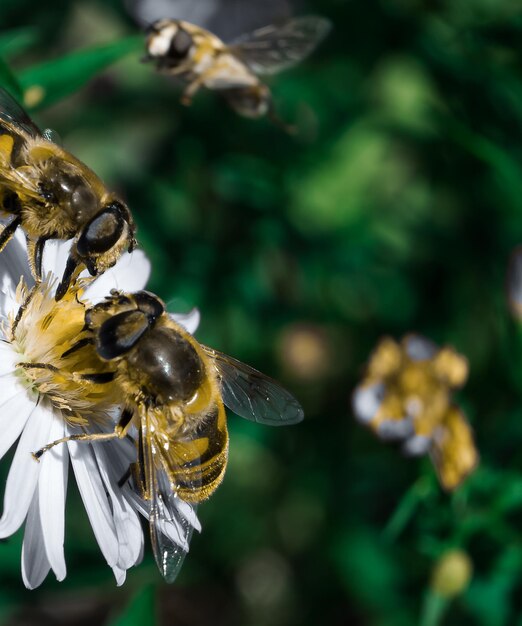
x: 47, y: 394
x: 406, y: 396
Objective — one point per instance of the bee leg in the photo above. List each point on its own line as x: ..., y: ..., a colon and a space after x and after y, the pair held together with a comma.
x: 99, y: 379
x: 277, y: 121
x: 81, y: 437
x: 35, y: 255
x: 21, y: 311
x: 138, y: 475
x: 86, y: 341
x: 126, y: 476
x: 38, y: 366
x: 95, y: 378
x: 190, y: 91
x: 138, y: 470
x: 134, y: 471
x: 8, y: 232
x: 70, y: 268
x: 119, y: 432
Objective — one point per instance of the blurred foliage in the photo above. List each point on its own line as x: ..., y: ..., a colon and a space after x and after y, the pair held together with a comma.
x: 393, y: 209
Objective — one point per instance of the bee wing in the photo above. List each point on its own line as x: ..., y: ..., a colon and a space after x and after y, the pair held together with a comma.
x: 52, y: 136
x: 12, y: 113
x: 453, y: 450
x: 253, y: 395
x: 275, y: 48
x: 171, y: 519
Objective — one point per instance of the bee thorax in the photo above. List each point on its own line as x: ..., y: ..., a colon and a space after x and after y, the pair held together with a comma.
x: 167, y: 366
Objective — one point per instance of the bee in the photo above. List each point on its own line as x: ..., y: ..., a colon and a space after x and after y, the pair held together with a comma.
x: 202, y: 59
x: 174, y: 391
x: 50, y: 194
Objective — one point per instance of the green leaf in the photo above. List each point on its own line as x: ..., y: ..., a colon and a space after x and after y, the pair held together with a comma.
x: 8, y: 80
x: 17, y: 40
x: 433, y: 609
x: 140, y: 610
x: 54, y: 80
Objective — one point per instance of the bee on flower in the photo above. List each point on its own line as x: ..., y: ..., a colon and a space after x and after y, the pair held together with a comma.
x: 109, y: 379
x: 51, y: 392
x: 406, y: 396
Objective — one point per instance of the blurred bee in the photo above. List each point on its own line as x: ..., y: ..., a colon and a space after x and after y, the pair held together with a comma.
x: 52, y: 195
x: 174, y: 391
x: 202, y: 59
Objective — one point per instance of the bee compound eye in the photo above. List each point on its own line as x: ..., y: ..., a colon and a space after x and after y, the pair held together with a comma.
x: 149, y: 304
x: 150, y: 29
x: 180, y: 44
x: 120, y: 333
x: 101, y: 233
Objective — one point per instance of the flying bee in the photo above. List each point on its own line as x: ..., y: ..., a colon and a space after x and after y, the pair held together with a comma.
x: 50, y: 194
x: 202, y: 59
x: 173, y: 391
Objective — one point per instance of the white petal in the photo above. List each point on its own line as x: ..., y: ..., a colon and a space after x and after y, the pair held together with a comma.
x: 130, y: 273
x: 417, y: 445
x: 189, y: 321
x: 8, y: 361
x: 35, y: 565
x: 24, y: 472
x: 8, y: 303
x: 419, y: 348
x: 395, y: 430
x: 14, y: 413
x: 126, y: 521
x: 120, y: 575
x: 55, y: 257
x: 94, y: 499
x: 366, y: 402
x: 188, y: 511
x: 52, y: 487
x: 14, y: 262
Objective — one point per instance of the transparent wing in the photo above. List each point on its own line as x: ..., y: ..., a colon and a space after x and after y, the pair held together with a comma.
x: 277, y: 47
x: 12, y: 113
x: 171, y: 519
x: 52, y: 136
x: 225, y: 18
x: 253, y: 395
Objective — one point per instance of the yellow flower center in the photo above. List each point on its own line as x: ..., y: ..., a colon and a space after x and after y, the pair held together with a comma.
x: 56, y: 360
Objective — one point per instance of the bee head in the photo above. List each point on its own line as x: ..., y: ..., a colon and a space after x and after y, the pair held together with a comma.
x: 168, y: 43
x: 100, y: 243
x: 121, y: 320
x: 105, y: 237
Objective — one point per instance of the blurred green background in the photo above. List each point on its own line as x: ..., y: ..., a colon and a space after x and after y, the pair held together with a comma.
x: 393, y: 209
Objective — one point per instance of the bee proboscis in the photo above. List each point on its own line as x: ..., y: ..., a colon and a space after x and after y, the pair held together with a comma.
x: 202, y: 59
x: 51, y: 194
x: 174, y: 391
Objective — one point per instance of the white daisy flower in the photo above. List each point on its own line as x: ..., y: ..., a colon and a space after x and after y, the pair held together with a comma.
x: 47, y: 394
